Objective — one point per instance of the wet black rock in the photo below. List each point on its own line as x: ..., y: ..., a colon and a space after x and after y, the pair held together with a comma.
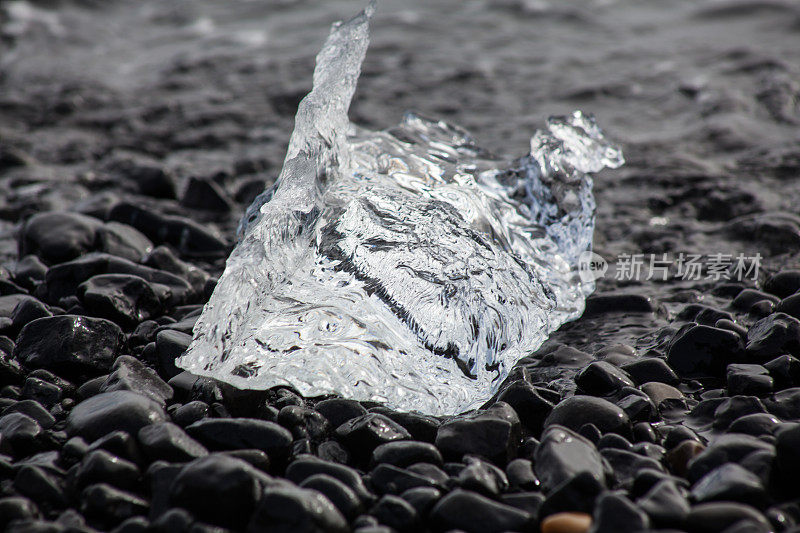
x: 363, y: 434
x: 33, y: 409
x: 123, y: 241
x: 110, y: 505
x: 488, y: 434
x: 482, y: 477
x: 562, y: 454
x: 576, y: 411
x: 421, y: 427
x: 704, y: 351
x: 206, y: 195
x: 772, y: 336
x: 284, y: 507
x: 75, y: 236
x: 168, y: 442
x: 243, y: 433
x: 189, y: 413
x: 69, y: 343
x: 169, y: 346
x: 528, y: 403
x: 784, y: 283
x: 100, y: 466
x: 755, y: 424
x: 128, y: 373
x: 306, y: 466
x: 787, y: 459
x: 44, y: 392
x: 123, y: 298
x: 665, y: 504
x: 16, y: 508
x: 389, y: 479
x: 785, y: 404
x: 340, y: 410
x: 112, y: 411
x: 29, y: 271
x: 614, y: 513
x: 340, y: 495
x: 473, y: 513
x: 19, y: 434
x: 422, y: 499
x: 748, y: 379
x: 41, y: 486
x: 121, y: 444
x: 405, y: 453
x: 148, y: 178
x: 521, y: 476
x: 601, y: 379
x: 597, y: 304
x: 304, y: 422
x: 748, y: 298
x: 648, y: 369
x: 395, y: 512
x: 577, y: 493
x: 187, y: 236
x: 220, y: 490
x: 716, y: 516
x: 730, y: 482
x: 736, y: 407
x: 27, y: 310
x: 731, y: 447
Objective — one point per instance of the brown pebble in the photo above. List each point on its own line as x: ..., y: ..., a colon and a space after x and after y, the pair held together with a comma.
x: 567, y: 523
x: 680, y: 456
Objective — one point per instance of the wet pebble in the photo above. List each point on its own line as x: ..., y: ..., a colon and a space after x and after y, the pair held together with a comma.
x: 123, y: 298
x: 288, y: 508
x: 112, y: 411
x: 576, y: 411
x: 473, y: 513
x: 562, y: 454
x: 704, y: 351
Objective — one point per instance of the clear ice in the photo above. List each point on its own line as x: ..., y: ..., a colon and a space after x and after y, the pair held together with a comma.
x: 406, y: 266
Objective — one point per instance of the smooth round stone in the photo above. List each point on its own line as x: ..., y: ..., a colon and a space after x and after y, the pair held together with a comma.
x: 128, y: 373
x: 748, y: 379
x: 787, y: 460
x: 649, y: 369
x: 289, y: 508
x: 563, y: 454
x: 33, y: 409
x: 111, y: 505
x: 493, y: 437
x: 123, y: 241
x: 111, y: 411
x: 339, y: 494
x: 682, y: 454
x: 664, y: 504
x: 19, y: 434
x: 405, y: 453
x: 601, y: 379
x: 217, y: 489
x: 576, y: 411
x: 363, y: 434
x: 422, y: 499
x: 69, y: 343
x: 730, y: 482
x: 746, y: 299
x: 520, y: 474
x: 567, y: 523
x: 474, y: 513
x: 701, y: 351
x: 123, y: 298
x: 482, y: 477
x: 756, y: 424
x: 783, y: 283
x: 736, y: 407
x: 75, y: 236
x: 168, y: 442
x: 530, y: 406
x: 731, y: 447
x: 772, y: 336
x: 100, y: 466
x: 785, y: 370
x: 790, y: 305
x: 395, y: 512
x: 306, y: 466
x: 716, y: 516
x: 16, y: 508
x: 243, y: 433
x: 614, y: 513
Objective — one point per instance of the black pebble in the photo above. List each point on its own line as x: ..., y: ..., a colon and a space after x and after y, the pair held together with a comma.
x: 123, y: 298
x: 168, y: 442
x: 284, y: 507
x: 342, y: 496
x: 784, y: 283
x: 562, y: 455
x: 75, y: 236
x: 704, y: 351
x: 772, y: 336
x: 614, y: 513
x: 363, y: 434
x: 243, y: 433
x: 405, y: 453
x: 576, y: 411
x: 473, y: 513
x: 111, y: 411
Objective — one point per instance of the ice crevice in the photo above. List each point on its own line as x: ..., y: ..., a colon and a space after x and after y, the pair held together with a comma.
x: 406, y: 266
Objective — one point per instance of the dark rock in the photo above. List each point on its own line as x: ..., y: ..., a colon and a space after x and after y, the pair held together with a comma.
x: 306, y: 466
x: 490, y: 434
x: 69, y: 343
x: 521, y: 476
x: 149, y: 178
x: 730, y: 482
x: 16, y: 508
x: 601, y: 379
x: 130, y: 374
x: 746, y: 299
x: 119, y: 443
x: 727, y: 448
x: 339, y: 494
x: 33, y: 409
x: 29, y: 271
x: 75, y: 236
x: 784, y: 283
x: 73, y: 451
x: 110, y: 505
x: 435, y: 474
x: 111, y: 411
x: 787, y: 459
x: 40, y: 486
x: 405, y: 453
x: 664, y: 504
x: 576, y: 494
x: 482, y: 477
x: 168, y: 442
x: 785, y: 404
x: 756, y: 424
x: 612, y: 440
x: 243, y: 433
x: 219, y: 490
x: 363, y: 434
x: 682, y: 454
x: 716, y: 516
x: 176, y: 519
x: 288, y: 508
x: 395, y: 512
x: 256, y: 458
x: 27, y: 310
x: 473, y: 513
x: 304, y: 422
x: 701, y: 351
x: 330, y: 450
x: 736, y: 407
x: 785, y: 371
x: 339, y: 410
x: 162, y: 258
x: 187, y: 236
x: 529, y: 405
x: 123, y: 298
x: 576, y: 411
x: 123, y: 241
x: 205, y: 194
x: 614, y: 513
x: 190, y: 413
x: 626, y: 465
x: 46, y: 393
x: 772, y: 336
x: 528, y: 502
x: 660, y: 393
x: 422, y: 499
x: 649, y: 369
x: 389, y: 479
x: 421, y: 427
x: 562, y: 455
x: 160, y: 476
x: 170, y: 345
x: 19, y: 434
x: 790, y: 305
x: 745, y: 379
x: 99, y: 466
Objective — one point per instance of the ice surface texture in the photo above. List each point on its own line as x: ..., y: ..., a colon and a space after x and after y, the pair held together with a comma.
x: 406, y: 266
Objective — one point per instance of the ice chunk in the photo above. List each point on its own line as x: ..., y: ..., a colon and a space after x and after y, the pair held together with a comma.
x: 406, y: 266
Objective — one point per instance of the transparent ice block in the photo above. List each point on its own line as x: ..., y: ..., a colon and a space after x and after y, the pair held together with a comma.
x: 406, y: 266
